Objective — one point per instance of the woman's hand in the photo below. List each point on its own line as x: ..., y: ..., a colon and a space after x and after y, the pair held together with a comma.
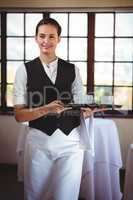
x: 87, y: 112
x: 55, y: 107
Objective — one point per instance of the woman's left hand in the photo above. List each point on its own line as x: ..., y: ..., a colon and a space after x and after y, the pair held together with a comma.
x: 87, y: 112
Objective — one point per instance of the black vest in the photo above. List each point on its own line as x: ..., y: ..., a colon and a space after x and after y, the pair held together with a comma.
x: 42, y: 91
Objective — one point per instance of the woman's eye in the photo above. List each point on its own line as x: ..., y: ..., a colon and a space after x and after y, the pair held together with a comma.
x: 42, y: 36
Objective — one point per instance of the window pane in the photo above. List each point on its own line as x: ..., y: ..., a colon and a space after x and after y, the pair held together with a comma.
x: 103, y: 49
x: 85, y: 89
x: 32, y: 50
x: 78, y: 49
x: 83, y: 70
x: 63, y: 21
x: 103, y: 73
x: 9, y: 95
x: 0, y: 72
x: 0, y: 94
x: 123, y: 74
x: 78, y: 24
x: 15, y: 48
x: 124, y: 50
x: 11, y: 70
x: 101, y: 92
x: 0, y: 36
x: 15, y: 24
x: 0, y: 48
x: 31, y: 22
x: 124, y: 24
x: 123, y: 96
x: 62, y: 49
x: 0, y: 24
x: 104, y: 25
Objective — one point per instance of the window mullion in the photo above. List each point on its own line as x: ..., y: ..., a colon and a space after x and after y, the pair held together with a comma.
x: 46, y: 15
x: 113, y: 81
x: 24, y: 37
x: 3, y: 61
x: 90, y: 63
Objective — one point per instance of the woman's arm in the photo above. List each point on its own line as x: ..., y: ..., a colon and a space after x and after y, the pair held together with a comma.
x: 23, y: 114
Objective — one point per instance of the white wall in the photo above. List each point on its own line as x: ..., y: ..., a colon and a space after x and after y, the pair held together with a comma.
x: 9, y: 131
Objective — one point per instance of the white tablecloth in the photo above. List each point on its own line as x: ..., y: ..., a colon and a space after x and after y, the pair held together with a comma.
x: 128, y: 188
x: 101, y: 180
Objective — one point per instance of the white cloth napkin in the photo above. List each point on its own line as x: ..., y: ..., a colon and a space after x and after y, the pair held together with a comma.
x: 87, y: 143
x: 87, y: 134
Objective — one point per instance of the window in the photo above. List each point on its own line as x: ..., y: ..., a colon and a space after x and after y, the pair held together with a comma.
x: 100, y: 44
x: 113, y: 61
x: 21, y: 46
x: 74, y: 37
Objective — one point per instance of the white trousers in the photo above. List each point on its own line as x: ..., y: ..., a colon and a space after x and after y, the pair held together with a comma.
x: 52, y: 166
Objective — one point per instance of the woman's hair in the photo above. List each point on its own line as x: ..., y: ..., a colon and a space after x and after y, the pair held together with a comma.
x: 50, y: 21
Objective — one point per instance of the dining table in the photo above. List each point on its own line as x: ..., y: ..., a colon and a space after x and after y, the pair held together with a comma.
x: 101, y: 171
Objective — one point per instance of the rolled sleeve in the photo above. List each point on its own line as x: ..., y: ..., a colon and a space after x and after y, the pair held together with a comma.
x: 19, y: 86
x: 77, y: 87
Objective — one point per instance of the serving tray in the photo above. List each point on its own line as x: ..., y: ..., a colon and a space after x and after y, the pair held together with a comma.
x: 93, y: 106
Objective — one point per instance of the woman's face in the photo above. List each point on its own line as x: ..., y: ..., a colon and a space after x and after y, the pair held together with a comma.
x: 47, y: 39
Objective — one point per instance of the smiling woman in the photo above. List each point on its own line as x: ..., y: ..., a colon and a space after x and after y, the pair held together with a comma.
x: 53, y: 134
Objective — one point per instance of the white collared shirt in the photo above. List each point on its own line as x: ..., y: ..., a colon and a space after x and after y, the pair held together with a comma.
x: 51, y: 70
x: 20, y: 82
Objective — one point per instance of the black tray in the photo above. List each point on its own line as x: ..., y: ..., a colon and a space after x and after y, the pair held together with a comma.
x: 93, y: 106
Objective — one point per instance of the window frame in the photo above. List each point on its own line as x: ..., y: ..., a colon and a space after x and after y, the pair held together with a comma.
x: 90, y: 57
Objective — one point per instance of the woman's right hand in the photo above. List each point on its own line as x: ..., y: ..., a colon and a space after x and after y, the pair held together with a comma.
x: 55, y: 107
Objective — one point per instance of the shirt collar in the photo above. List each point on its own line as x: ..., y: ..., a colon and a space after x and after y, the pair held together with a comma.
x: 53, y: 63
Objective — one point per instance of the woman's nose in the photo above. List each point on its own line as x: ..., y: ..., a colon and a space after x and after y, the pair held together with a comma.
x: 46, y: 39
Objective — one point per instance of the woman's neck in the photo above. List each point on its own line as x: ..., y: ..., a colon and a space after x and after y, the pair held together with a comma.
x: 47, y: 59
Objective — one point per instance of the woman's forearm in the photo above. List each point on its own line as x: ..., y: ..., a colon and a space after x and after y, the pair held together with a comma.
x: 23, y: 114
